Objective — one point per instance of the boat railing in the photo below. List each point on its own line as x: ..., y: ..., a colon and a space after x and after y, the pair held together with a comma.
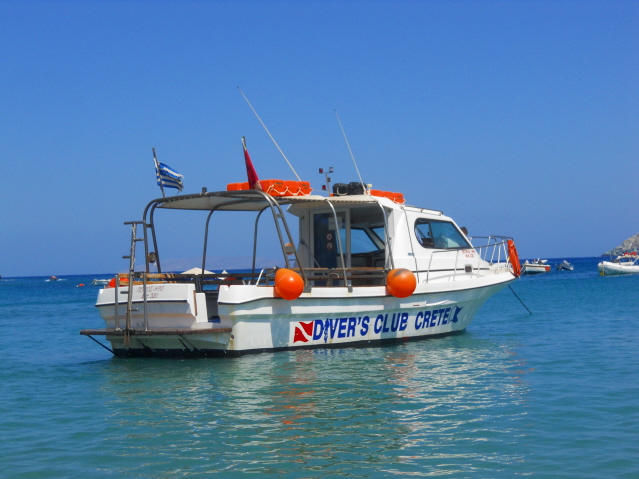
x: 329, y: 277
x: 495, y: 251
x: 266, y: 277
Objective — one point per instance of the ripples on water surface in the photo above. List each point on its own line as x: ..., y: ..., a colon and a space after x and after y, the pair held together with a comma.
x: 549, y: 395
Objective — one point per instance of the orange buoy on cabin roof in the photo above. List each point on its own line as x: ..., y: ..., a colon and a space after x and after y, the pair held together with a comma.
x: 401, y: 282
x: 288, y: 284
x: 237, y: 186
x: 396, y: 197
x: 276, y: 187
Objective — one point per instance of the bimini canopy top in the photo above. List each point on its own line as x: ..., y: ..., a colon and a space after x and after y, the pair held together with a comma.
x: 250, y: 200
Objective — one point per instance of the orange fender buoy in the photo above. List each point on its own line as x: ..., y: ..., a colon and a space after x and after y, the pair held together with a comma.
x: 401, y: 282
x: 288, y: 284
x: 123, y: 281
x: 514, y: 258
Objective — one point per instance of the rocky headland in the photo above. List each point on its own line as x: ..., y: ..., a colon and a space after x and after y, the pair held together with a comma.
x: 631, y: 244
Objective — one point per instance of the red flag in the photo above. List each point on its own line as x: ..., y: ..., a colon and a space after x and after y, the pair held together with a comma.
x: 253, y: 180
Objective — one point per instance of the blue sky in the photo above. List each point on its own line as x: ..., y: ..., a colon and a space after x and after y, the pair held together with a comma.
x: 514, y: 118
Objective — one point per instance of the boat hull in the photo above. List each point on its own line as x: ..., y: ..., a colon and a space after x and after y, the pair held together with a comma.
x: 199, y: 350
x: 535, y: 268
x: 565, y: 266
x: 607, y: 268
x: 252, y: 320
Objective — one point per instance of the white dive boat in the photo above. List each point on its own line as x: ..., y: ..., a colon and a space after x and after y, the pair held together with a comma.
x: 366, y: 270
x: 565, y: 265
x: 100, y: 282
x: 627, y: 263
x: 535, y: 266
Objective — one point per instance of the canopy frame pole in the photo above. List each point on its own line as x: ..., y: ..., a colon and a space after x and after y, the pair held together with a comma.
x: 257, y: 219
x: 275, y: 207
x: 387, y: 240
x: 206, y: 238
x: 279, y: 215
x: 151, y: 225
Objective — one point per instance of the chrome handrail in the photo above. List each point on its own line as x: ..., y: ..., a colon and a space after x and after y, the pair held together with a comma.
x: 495, y: 246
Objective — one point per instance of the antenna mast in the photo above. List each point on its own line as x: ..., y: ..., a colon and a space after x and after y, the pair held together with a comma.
x: 269, y: 134
x: 327, y: 186
x: 350, y: 151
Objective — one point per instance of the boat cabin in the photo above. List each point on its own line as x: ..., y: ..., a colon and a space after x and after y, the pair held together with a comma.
x: 348, y: 240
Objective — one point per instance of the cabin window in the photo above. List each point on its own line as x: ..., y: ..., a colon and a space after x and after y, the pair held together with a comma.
x: 361, y: 241
x: 380, y: 233
x: 439, y: 234
x: 367, y: 248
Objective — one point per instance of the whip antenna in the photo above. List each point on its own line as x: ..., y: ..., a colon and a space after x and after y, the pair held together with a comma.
x: 350, y: 151
x: 269, y: 134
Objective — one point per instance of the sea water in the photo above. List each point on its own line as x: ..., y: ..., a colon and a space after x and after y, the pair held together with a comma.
x: 549, y: 394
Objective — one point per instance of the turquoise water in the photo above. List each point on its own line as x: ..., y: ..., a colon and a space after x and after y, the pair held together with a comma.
x: 552, y: 394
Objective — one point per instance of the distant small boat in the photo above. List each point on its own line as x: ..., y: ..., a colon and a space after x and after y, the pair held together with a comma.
x: 627, y: 263
x: 535, y: 266
x: 565, y: 265
x: 53, y: 278
x: 97, y: 282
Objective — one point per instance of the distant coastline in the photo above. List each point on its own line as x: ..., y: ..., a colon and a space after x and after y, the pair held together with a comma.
x: 633, y: 240
x: 631, y: 244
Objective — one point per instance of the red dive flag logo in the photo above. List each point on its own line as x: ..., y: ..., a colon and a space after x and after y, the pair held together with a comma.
x: 253, y: 180
x: 302, y: 334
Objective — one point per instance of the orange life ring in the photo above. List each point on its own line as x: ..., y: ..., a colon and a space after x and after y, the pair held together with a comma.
x: 514, y: 258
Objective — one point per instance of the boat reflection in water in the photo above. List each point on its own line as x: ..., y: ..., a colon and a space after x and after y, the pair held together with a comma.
x: 411, y: 404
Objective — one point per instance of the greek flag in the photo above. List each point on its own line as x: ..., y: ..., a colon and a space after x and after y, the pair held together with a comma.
x: 168, y: 177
